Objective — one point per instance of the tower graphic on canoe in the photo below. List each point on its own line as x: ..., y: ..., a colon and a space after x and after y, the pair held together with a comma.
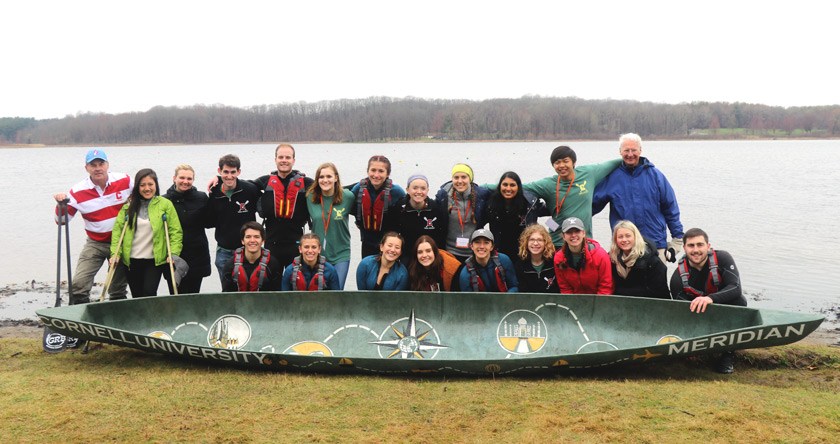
x: 229, y: 331
x: 522, y: 332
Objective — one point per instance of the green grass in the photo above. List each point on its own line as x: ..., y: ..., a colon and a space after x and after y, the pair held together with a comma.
x: 783, y: 394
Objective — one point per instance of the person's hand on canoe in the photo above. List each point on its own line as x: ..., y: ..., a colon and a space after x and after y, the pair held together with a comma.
x: 699, y: 304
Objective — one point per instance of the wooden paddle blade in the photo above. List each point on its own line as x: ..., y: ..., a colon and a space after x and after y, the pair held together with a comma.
x: 53, y: 342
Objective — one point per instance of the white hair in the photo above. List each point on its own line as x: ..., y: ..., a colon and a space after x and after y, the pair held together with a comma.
x: 631, y: 137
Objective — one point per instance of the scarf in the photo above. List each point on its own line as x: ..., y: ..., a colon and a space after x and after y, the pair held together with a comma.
x: 625, y: 263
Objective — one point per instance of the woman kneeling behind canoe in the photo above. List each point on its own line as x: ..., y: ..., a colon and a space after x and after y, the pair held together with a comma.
x: 431, y: 269
x: 636, y: 267
x: 144, y: 244
x: 535, y: 269
x: 310, y: 271
x: 581, y: 265
x: 383, y: 271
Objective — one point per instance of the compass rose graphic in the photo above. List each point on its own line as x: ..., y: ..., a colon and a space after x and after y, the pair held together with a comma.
x: 408, y: 343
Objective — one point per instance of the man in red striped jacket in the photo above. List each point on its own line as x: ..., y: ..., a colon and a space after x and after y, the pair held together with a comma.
x: 98, y: 199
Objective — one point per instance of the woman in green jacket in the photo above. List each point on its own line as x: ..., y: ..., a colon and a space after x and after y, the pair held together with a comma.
x: 143, y: 250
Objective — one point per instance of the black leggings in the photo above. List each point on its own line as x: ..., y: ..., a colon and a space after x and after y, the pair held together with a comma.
x: 144, y: 277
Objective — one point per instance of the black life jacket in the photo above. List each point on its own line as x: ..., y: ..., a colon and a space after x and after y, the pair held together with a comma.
x: 285, y: 198
x: 299, y: 281
x: 255, y: 280
x: 372, y: 212
x: 712, y: 281
x: 499, y: 272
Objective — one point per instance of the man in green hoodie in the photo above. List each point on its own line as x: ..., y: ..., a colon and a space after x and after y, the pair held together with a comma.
x: 569, y: 192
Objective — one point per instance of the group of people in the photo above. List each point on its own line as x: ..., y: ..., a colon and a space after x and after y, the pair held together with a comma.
x: 468, y: 237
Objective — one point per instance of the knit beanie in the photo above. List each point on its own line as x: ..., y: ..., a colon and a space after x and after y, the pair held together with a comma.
x: 463, y: 168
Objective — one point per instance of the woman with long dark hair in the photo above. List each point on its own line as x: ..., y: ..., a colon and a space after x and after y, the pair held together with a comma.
x: 144, y: 247
x: 510, y: 210
x: 431, y: 269
x: 581, y: 265
x: 374, y: 195
x: 383, y: 271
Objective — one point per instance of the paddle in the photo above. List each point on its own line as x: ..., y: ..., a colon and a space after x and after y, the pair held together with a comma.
x: 112, y: 268
x: 169, y: 254
x: 71, y: 342
x: 54, y: 342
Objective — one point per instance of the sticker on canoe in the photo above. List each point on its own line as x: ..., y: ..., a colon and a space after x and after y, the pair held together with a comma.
x: 309, y: 348
x: 230, y: 331
x: 409, y: 342
x: 667, y: 339
x: 522, y: 332
x: 160, y: 335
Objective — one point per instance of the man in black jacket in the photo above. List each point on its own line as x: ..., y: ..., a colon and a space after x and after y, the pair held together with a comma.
x: 706, y: 276
x: 232, y: 203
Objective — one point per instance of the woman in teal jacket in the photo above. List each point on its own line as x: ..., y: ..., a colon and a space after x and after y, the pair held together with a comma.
x: 384, y: 271
x: 143, y: 250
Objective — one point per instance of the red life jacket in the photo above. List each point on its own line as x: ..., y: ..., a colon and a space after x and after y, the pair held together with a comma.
x: 371, y: 213
x: 255, y: 280
x: 712, y: 281
x: 285, y: 197
x: 299, y: 282
x: 499, y: 272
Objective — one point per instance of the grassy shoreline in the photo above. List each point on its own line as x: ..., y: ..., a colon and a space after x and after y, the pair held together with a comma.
x: 789, y: 393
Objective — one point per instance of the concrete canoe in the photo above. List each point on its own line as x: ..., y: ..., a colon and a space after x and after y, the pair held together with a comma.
x: 424, y: 333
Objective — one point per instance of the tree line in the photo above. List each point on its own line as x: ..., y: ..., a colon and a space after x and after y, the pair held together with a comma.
x: 379, y: 119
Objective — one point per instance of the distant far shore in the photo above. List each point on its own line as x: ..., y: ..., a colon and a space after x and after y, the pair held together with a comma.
x: 41, y: 145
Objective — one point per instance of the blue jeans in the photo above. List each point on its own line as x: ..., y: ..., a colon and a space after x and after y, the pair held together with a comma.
x: 341, y: 269
x: 223, y: 255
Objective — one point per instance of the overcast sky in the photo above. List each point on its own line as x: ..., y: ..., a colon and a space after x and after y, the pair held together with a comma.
x: 65, y: 57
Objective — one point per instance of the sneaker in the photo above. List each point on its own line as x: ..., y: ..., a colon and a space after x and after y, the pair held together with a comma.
x: 726, y: 363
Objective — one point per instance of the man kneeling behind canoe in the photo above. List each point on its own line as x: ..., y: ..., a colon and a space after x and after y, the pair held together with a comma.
x: 707, y: 276
x: 252, y: 268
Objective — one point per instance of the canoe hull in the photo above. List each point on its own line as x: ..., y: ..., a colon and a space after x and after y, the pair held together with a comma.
x: 424, y: 333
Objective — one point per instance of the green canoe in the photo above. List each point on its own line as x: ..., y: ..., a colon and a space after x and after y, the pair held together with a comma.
x: 419, y: 332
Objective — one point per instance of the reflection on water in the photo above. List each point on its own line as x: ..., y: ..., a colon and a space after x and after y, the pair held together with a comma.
x: 769, y: 203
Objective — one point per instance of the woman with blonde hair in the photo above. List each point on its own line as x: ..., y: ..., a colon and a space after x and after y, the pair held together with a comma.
x: 636, y: 267
x: 190, y: 205
x: 535, y: 269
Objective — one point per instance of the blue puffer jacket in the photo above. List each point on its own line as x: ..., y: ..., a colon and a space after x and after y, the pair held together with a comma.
x: 642, y: 196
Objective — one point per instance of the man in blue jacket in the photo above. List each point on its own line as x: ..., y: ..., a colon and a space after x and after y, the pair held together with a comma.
x: 637, y: 191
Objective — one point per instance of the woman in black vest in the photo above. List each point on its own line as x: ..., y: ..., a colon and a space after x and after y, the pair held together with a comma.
x: 190, y: 205
x: 636, y: 267
x: 510, y: 210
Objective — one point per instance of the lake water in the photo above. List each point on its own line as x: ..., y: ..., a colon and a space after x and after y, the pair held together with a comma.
x: 772, y: 204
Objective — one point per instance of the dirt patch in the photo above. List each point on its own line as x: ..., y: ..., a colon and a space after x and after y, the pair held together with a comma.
x: 26, y: 329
